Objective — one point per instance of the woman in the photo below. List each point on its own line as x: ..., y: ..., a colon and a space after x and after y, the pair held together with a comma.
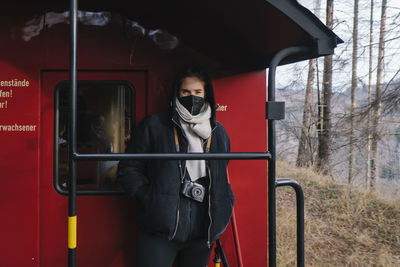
x: 183, y: 206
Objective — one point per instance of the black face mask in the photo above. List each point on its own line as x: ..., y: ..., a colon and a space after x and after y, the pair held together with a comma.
x: 192, y: 103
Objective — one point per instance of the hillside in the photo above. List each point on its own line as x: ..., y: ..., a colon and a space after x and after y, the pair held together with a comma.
x: 343, y: 226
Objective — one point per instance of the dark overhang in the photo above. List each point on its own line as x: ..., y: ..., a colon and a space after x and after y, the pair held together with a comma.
x: 244, y: 35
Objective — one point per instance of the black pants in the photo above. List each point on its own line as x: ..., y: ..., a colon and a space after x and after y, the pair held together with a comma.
x: 154, y: 251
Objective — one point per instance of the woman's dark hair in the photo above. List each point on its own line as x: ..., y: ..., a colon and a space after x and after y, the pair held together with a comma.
x: 193, y: 71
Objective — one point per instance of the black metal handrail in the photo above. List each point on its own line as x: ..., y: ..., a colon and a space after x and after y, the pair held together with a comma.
x: 72, y: 218
x: 177, y: 156
x: 272, y: 149
x: 300, y: 215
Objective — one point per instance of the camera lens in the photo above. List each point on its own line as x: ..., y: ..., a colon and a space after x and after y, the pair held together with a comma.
x: 197, y: 191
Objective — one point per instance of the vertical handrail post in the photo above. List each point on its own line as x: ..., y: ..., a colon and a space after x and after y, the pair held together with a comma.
x: 72, y: 219
x: 272, y: 149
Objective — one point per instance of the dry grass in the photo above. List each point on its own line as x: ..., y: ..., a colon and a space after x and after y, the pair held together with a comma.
x: 343, y: 225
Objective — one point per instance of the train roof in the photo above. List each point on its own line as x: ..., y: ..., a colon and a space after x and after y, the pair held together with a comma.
x: 242, y: 34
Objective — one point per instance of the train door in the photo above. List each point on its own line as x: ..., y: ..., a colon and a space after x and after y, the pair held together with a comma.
x: 109, y: 104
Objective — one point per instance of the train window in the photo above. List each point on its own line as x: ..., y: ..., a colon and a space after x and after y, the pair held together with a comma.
x: 105, y: 115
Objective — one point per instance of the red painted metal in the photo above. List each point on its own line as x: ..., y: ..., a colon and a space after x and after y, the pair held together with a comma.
x: 19, y: 168
x: 244, y: 96
x: 34, y: 224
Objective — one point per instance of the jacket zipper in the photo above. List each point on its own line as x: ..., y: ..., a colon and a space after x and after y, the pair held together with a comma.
x: 179, y: 198
x: 209, y: 203
x: 177, y: 223
x: 177, y: 209
x: 209, y: 210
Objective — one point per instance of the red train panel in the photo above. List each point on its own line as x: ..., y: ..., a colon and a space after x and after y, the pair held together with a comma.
x: 35, y: 215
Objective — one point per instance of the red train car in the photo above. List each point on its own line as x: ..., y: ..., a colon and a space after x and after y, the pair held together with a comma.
x: 128, y: 53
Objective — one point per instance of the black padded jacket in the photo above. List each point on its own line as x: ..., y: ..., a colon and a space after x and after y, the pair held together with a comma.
x: 155, y: 184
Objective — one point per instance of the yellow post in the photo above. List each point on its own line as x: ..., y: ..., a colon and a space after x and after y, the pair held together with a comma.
x: 72, y: 232
x: 217, y: 259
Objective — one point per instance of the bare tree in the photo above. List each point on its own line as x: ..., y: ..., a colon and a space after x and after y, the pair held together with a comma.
x: 305, y: 152
x: 378, y: 96
x: 368, y: 147
x: 325, y: 120
x: 353, y: 89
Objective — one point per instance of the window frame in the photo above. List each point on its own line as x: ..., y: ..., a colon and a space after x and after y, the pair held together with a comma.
x: 65, y: 83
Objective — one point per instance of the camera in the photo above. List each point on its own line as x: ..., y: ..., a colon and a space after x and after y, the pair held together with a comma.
x: 193, y: 190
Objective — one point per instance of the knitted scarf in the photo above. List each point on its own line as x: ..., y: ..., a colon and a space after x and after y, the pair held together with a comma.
x: 195, y: 128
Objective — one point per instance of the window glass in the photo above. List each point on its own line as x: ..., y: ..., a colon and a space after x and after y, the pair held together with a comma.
x: 104, y: 120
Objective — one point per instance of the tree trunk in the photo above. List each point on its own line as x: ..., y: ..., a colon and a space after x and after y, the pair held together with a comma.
x: 353, y: 90
x: 304, y: 154
x: 325, y: 130
x: 368, y: 148
x: 378, y: 97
